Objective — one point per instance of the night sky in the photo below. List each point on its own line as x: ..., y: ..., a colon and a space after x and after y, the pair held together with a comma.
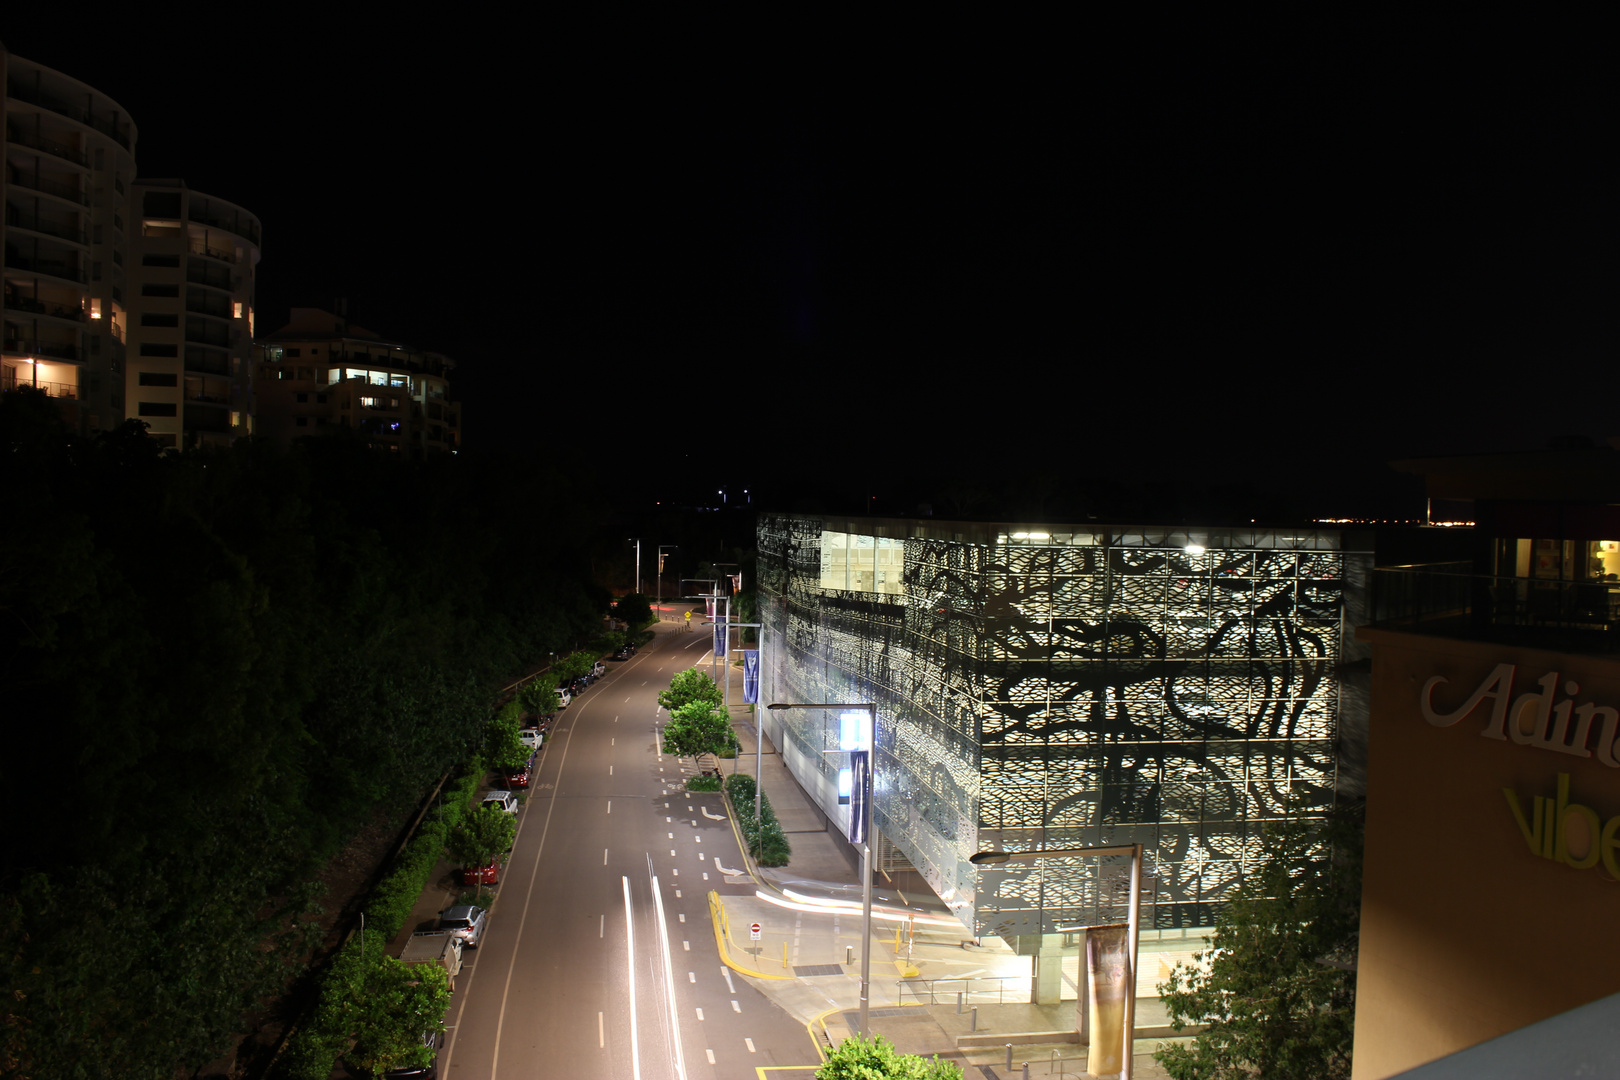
x: 1242, y: 254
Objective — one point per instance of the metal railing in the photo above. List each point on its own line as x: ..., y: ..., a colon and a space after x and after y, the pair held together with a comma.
x: 200, y: 248
x: 49, y: 146
x: 21, y: 220
x: 52, y: 187
x: 982, y: 990
x: 66, y: 271
x: 51, y: 389
x: 55, y: 311
x: 1450, y: 600
x: 42, y: 348
x: 107, y: 125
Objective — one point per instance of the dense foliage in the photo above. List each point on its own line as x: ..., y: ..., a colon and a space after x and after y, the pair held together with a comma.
x: 1279, y: 989
x: 858, y: 1058
x: 689, y: 686
x: 214, y: 668
x: 699, y: 728
x: 482, y: 835
x: 763, y: 834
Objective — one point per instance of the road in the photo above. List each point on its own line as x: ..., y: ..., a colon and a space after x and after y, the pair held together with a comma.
x: 600, y: 958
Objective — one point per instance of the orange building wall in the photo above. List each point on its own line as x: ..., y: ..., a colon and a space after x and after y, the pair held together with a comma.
x: 1465, y: 934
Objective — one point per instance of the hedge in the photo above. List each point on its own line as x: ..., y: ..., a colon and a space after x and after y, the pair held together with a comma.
x: 766, y: 841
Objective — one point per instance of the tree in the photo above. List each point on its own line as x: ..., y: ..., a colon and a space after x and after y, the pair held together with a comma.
x: 539, y: 695
x: 688, y: 686
x: 1279, y: 991
x: 633, y: 609
x: 698, y: 728
x: 482, y: 835
x: 858, y: 1058
x: 401, y: 1003
x: 502, y: 747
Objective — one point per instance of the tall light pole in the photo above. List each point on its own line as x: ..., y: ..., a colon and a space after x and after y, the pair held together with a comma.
x: 759, y: 729
x: 998, y: 858
x: 865, y: 841
x: 636, y: 540
x: 661, y: 548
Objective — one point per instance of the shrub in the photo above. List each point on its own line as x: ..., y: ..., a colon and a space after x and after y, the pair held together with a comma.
x: 702, y: 783
x: 766, y: 840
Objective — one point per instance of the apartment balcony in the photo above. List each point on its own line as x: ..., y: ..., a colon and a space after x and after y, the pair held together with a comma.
x: 20, y: 219
x: 56, y: 268
x: 54, y: 311
x: 199, y: 247
x: 238, y: 222
x: 201, y: 333
x: 53, y: 147
x: 52, y: 389
x: 108, y: 125
x: 208, y: 304
x: 211, y: 363
x: 53, y: 349
x: 55, y: 188
x: 201, y: 273
x: 1450, y: 600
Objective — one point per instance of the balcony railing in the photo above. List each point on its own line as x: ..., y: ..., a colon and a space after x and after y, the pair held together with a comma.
x: 54, y: 267
x: 53, y: 389
x: 55, y: 350
x: 55, y: 311
x: 22, y: 220
x: 201, y: 273
x: 107, y: 125
x: 207, y: 304
x: 239, y: 223
x: 1450, y: 600
x: 49, y: 146
x: 200, y: 248
x: 203, y: 360
x: 53, y: 187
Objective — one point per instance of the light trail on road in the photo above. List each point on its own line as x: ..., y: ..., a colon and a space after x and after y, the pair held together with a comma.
x: 630, y: 965
x: 669, y: 977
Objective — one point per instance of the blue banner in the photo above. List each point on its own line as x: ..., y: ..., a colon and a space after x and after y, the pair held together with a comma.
x: 750, y: 676
x: 720, y: 637
x: 860, y: 796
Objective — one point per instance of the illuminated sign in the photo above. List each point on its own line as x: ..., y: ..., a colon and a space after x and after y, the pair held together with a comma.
x: 1536, y: 718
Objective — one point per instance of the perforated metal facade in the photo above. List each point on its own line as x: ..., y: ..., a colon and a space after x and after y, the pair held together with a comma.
x: 1046, y: 688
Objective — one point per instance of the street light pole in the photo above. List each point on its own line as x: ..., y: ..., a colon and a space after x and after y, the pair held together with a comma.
x: 759, y: 727
x: 867, y: 787
x: 661, y: 548
x: 1133, y: 931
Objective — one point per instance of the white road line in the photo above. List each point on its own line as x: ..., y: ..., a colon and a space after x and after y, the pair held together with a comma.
x: 683, y: 916
x: 672, y: 835
x: 672, y: 853
x: 610, y: 806
x: 601, y: 1040
x: 615, y: 742
x: 627, y: 698
x: 711, y: 1056
x: 736, y: 1008
x: 677, y: 894
x: 691, y: 976
x: 750, y: 1043
x: 604, y: 859
x: 601, y: 926
x: 610, y: 773
x: 687, y: 946
x: 727, y: 973
x: 700, y: 1011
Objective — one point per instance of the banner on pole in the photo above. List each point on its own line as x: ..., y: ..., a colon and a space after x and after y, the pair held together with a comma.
x: 1108, y: 977
x: 750, y: 676
x: 860, y: 795
x: 721, y: 638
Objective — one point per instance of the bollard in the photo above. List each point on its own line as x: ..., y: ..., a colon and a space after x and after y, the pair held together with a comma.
x: 1026, y: 1070
x: 959, y: 996
x: 1009, y: 1056
x: 975, y: 1012
x: 849, y: 954
x: 1056, y: 1062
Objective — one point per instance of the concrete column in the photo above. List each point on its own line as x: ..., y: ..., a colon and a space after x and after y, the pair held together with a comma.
x: 1046, y: 950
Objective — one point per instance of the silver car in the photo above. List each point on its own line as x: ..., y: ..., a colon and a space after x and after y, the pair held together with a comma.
x: 465, y: 922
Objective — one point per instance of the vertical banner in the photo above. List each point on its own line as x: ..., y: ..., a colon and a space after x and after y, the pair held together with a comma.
x: 721, y: 637
x: 1108, y: 977
x: 750, y: 676
x: 860, y: 795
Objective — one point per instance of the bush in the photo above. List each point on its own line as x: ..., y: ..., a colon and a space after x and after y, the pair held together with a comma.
x: 702, y: 783
x: 766, y: 840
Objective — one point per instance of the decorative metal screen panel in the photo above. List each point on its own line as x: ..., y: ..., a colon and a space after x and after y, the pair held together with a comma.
x: 1067, y: 690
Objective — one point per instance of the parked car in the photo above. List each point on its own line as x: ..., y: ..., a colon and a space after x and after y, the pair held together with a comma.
x: 599, y: 670
x: 531, y: 737
x: 564, y: 696
x: 624, y: 654
x: 518, y: 777
x: 466, y: 922
x: 503, y: 799
x: 482, y: 875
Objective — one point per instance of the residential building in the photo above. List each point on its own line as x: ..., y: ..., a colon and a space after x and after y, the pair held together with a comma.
x: 69, y: 167
x: 1047, y: 686
x: 1493, y: 780
x: 190, y: 361
x: 321, y: 372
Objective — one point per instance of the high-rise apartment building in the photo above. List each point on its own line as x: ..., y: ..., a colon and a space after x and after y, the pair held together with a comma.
x: 190, y: 369
x: 321, y: 372
x: 69, y: 170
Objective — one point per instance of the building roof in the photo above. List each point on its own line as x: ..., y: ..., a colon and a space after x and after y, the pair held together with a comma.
x: 307, y: 323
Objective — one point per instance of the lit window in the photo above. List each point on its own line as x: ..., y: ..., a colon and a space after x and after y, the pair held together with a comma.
x: 236, y: 309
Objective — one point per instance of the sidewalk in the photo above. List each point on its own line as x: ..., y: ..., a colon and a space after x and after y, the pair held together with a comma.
x: 807, y: 958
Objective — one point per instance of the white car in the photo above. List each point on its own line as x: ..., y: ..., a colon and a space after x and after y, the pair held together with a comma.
x: 503, y: 799
x: 563, y: 696
x: 531, y: 738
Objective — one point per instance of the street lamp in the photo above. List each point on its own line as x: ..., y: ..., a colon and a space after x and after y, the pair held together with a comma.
x: 661, y: 548
x: 864, y: 817
x: 998, y: 858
